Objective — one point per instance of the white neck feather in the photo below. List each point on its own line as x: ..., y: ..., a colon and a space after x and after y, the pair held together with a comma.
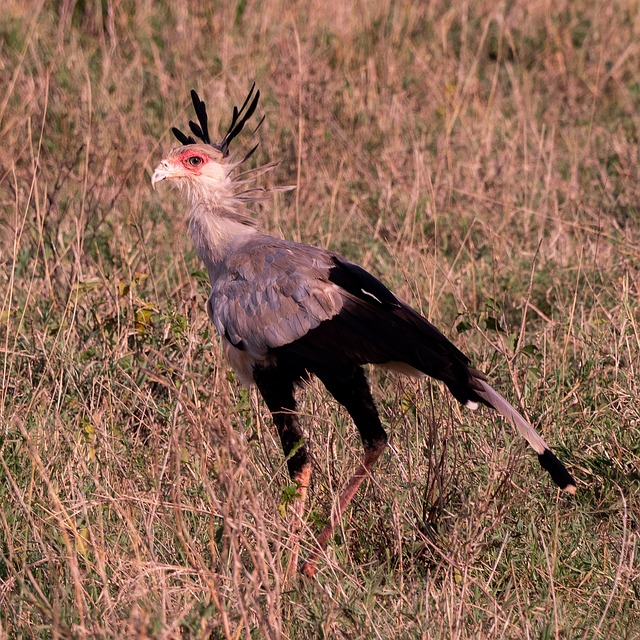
x: 218, y: 220
x: 216, y: 231
x: 214, y: 186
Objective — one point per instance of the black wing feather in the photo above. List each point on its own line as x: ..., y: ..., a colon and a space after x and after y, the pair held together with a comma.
x: 360, y: 283
x: 375, y: 327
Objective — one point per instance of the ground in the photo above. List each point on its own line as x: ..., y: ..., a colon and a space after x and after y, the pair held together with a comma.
x: 480, y: 158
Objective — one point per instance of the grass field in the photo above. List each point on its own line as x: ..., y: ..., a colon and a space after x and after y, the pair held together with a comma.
x: 481, y: 158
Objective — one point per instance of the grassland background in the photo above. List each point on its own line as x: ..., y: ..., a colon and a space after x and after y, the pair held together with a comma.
x: 482, y: 158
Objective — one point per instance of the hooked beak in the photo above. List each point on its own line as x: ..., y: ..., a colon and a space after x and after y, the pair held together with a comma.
x: 163, y: 172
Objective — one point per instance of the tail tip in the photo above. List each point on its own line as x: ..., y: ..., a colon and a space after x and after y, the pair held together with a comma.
x: 557, y: 471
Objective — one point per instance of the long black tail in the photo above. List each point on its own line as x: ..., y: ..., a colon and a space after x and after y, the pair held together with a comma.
x: 547, y: 459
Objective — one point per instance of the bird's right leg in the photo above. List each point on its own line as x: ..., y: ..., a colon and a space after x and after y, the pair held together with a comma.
x: 355, y: 396
x: 277, y: 389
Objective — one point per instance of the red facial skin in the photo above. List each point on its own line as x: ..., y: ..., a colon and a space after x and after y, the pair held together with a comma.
x: 193, y: 161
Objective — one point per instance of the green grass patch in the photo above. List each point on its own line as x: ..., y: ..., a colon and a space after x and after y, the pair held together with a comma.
x: 481, y: 160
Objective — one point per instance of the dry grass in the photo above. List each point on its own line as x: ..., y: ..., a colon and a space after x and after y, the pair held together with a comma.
x: 483, y: 161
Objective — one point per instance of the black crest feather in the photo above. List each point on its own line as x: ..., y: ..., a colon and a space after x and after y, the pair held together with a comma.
x: 238, y: 119
x: 201, y: 131
x: 181, y: 137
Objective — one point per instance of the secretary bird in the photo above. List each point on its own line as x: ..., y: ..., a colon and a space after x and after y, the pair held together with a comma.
x: 286, y: 311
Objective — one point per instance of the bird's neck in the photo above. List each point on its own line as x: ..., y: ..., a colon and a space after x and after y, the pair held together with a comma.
x: 216, y: 231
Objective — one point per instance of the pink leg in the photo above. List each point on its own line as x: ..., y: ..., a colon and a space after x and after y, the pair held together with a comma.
x: 364, y: 469
x: 302, y: 479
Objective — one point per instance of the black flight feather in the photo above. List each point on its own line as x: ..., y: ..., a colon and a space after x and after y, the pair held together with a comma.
x: 359, y: 282
x: 556, y: 469
x: 375, y: 327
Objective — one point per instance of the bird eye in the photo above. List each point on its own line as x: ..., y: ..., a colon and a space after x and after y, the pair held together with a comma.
x: 194, y: 161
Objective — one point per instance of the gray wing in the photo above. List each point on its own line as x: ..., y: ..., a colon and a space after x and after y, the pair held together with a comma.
x: 325, y: 314
x: 271, y: 293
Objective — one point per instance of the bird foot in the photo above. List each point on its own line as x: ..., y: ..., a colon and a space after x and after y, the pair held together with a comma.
x: 309, y: 568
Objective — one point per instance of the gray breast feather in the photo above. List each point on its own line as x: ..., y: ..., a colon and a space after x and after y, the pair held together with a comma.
x: 271, y: 293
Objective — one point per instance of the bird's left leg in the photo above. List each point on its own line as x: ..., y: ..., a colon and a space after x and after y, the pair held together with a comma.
x: 355, y: 396
x: 277, y: 388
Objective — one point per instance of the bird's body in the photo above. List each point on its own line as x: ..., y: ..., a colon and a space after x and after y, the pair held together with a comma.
x: 286, y: 310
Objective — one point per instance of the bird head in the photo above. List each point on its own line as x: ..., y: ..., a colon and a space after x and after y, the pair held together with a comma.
x: 203, y: 169
x: 199, y: 169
